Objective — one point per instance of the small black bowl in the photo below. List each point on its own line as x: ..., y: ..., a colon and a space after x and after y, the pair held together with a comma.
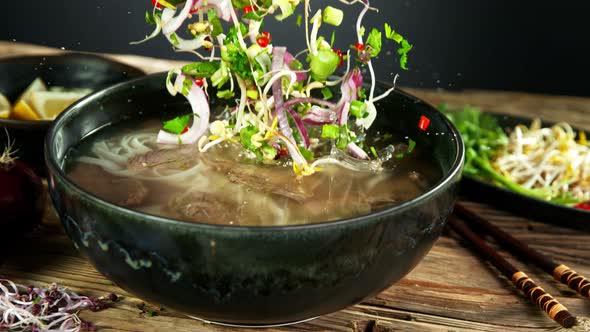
x: 72, y: 70
x: 249, y: 275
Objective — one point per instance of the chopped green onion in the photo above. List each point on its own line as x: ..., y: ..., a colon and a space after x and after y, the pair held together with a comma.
x: 252, y: 94
x: 225, y: 94
x: 324, y: 64
x: 221, y: 76
x: 174, y: 38
x: 358, y: 109
x: 343, y: 138
x: 374, y: 152
x: 327, y: 93
x: 215, y: 23
x: 330, y: 131
x: 411, y: 145
x: 299, y: 20
x: 177, y: 125
x: 187, y: 84
x: 333, y: 16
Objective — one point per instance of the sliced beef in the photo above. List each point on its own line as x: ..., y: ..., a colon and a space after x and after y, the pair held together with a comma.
x: 126, y: 192
x: 268, y: 179
x: 204, y: 207
x: 183, y: 157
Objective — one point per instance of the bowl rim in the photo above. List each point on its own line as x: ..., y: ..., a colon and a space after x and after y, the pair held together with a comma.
x: 54, y: 168
x: 66, y: 56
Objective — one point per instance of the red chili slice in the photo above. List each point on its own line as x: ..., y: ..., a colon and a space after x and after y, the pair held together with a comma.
x: 424, y: 123
x: 194, y: 10
x: 359, y: 47
x: 584, y: 206
x: 263, y: 39
x: 185, y: 130
x: 339, y: 52
x: 199, y: 81
x: 248, y: 9
x: 157, y: 4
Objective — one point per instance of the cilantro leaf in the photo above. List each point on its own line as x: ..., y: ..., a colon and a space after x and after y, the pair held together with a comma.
x: 246, y: 137
x: 201, y: 69
x: 391, y: 34
x: 374, y: 41
x: 405, y: 46
x: 177, y: 125
x: 215, y: 23
x: 256, y: 15
x: 307, y: 154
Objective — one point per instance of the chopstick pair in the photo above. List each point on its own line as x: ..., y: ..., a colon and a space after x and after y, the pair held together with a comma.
x: 560, y: 272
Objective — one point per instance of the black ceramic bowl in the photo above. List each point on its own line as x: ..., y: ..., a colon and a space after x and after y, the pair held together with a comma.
x: 69, y: 70
x: 249, y: 275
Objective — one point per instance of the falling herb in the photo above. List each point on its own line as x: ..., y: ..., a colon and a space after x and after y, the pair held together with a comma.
x: 178, y: 124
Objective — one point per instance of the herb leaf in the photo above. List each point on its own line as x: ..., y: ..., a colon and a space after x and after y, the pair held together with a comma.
x: 374, y: 40
x: 177, y: 125
x: 201, y: 69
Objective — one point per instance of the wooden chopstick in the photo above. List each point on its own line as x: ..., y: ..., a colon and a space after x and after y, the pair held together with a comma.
x: 544, y: 300
x: 560, y: 272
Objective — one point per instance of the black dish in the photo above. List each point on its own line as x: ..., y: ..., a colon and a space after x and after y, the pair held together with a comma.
x: 523, y: 205
x: 249, y: 275
x: 69, y: 70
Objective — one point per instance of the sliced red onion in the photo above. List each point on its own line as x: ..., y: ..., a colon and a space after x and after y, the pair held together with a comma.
x: 326, y: 117
x: 357, y: 152
x: 296, y: 101
x: 278, y: 56
x: 300, y: 127
x: 318, y: 116
x: 172, y: 25
x: 349, y: 87
x: 344, y: 113
x: 222, y: 7
x: 200, y: 106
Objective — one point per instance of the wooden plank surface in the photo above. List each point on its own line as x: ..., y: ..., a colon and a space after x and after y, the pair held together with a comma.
x: 450, y: 290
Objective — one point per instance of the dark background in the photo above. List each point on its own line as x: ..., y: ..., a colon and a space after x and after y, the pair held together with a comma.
x: 534, y: 46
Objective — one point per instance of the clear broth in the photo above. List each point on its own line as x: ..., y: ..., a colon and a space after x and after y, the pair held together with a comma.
x: 125, y: 166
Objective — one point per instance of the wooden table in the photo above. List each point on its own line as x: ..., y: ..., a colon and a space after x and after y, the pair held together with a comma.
x: 450, y: 290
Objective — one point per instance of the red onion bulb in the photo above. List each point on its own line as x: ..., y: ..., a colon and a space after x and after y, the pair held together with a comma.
x: 22, y: 198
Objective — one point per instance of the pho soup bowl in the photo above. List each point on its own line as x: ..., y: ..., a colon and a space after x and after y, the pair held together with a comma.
x: 70, y: 71
x: 249, y: 275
